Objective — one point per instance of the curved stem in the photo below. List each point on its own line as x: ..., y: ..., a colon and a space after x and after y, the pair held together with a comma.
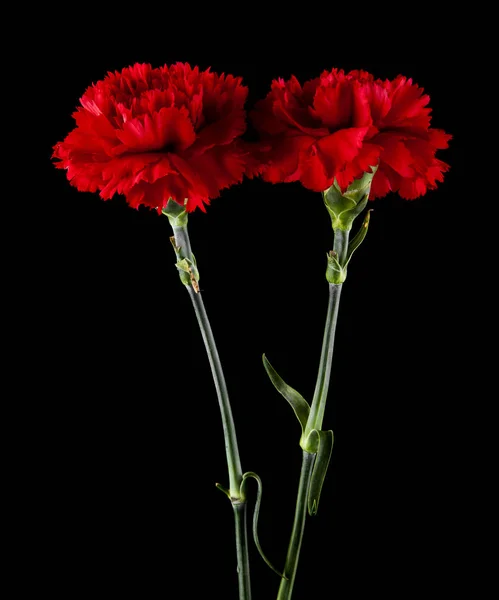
x: 183, y: 251
x: 231, y: 449
x: 286, y: 587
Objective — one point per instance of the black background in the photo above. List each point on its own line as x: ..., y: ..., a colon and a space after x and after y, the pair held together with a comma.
x: 128, y: 437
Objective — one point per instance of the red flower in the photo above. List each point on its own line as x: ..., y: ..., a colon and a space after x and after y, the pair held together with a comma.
x: 154, y: 134
x: 337, y: 126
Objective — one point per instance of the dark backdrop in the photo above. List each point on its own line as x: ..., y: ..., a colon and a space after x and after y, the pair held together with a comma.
x: 131, y: 444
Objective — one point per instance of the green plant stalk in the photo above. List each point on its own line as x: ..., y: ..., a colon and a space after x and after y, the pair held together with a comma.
x: 314, y: 422
x: 318, y: 407
x: 286, y: 586
x: 243, y: 571
x: 231, y: 448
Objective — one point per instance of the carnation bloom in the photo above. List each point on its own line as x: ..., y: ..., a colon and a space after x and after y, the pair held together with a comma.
x: 158, y: 133
x: 338, y: 126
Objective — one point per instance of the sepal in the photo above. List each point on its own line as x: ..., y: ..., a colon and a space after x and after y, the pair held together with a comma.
x: 177, y: 214
x: 344, y: 207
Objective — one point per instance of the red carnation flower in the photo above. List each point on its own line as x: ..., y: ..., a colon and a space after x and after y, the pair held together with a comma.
x: 154, y: 134
x: 338, y: 126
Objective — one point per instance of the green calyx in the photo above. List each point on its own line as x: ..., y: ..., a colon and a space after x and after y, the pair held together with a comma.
x: 313, y: 441
x: 344, y: 207
x: 177, y: 214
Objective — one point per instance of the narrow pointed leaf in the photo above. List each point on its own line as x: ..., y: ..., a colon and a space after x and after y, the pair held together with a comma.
x: 223, y: 489
x: 359, y: 238
x: 256, y: 512
x: 297, y: 401
x: 326, y: 439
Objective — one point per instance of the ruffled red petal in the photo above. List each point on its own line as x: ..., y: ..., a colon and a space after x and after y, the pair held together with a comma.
x: 333, y: 105
x: 159, y: 133
x: 339, y: 125
x: 168, y: 128
x: 221, y: 132
x: 407, y: 105
x: 340, y: 148
x: 313, y: 173
x: 283, y: 162
x: 380, y: 185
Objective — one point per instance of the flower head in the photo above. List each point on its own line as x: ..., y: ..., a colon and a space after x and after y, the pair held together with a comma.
x: 339, y: 125
x: 158, y: 133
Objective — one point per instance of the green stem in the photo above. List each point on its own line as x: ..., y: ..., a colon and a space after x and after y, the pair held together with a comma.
x: 314, y: 421
x: 231, y: 449
x: 233, y: 461
x: 183, y: 250
x: 286, y: 587
x: 243, y: 573
x: 318, y: 407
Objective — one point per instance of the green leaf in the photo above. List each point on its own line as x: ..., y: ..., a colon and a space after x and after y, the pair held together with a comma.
x: 256, y: 512
x: 326, y: 439
x: 359, y: 238
x: 223, y: 489
x: 184, y: 265
x: 297, y: 401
